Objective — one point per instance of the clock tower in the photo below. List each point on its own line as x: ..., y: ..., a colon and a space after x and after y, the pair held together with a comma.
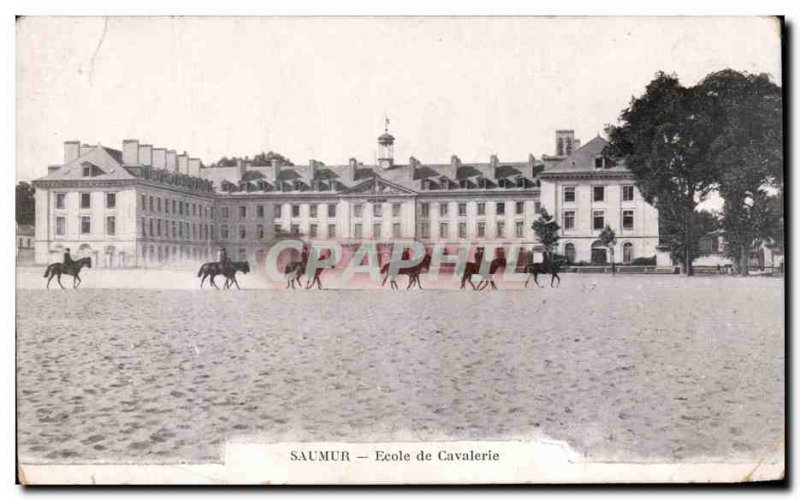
x: 386, y: 148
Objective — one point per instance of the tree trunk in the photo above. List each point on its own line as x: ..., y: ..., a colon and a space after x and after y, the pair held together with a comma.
x: 744, y: 259
x: 613, y: 262
x: 688, y: 254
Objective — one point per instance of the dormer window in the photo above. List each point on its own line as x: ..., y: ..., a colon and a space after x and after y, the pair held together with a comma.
x: 520, y: 182
x: 463, y: 184
x: 87, y: 171
x: 425, y: 185
x: 444, y: 182
x: 599, y: 162
x: 483, y: 183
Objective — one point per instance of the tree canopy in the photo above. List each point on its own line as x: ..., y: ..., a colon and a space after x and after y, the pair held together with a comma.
x: 546, y: 229
x: 681, y: 143
x: 26, y: 204
x: 260, y: 160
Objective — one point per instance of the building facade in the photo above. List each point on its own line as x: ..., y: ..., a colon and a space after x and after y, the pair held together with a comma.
x: 145, y: 206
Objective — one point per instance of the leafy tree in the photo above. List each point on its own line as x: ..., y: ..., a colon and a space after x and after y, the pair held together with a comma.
x: 748, y: 224
x: 26, y: 204
x: 546, y: 229
x: 672, y: 233
x: 681, y: 143
x: 609, y: 238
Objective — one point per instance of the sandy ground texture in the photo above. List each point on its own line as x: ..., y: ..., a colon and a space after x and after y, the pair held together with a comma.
x: 634, y: 368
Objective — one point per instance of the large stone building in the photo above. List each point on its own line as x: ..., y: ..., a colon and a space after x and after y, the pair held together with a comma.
x: 146, y: 206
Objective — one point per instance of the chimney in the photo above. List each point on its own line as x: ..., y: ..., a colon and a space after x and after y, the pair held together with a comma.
x: 159, y: 158
x: 276, y: 168
x: 172, y: 160
x: 576, y: 144
x: 242, y: 167
x: 493, y: 161
x: 454, y: 164
x: 194, y: 167
x: 130, y: 152
x: 565, y: 142
x: 312, y: 169
x: 183, y: 163
x: 532, y: 164
x: 72, y: 150
x: 350, y: 172
x: 146, y: 154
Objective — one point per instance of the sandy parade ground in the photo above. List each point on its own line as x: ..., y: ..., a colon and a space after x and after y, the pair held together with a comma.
x: 143, y: 366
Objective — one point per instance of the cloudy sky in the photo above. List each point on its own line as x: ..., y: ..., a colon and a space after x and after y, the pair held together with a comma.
x: 319, y: 87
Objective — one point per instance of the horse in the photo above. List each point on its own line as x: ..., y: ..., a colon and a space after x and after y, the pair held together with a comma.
x: 315, y: 279
x: 550, y: 265
x: 293, y: 271
x: 58, y: 268
x: 472, y: 268
x: 211, y: 269
x: 413, y: 273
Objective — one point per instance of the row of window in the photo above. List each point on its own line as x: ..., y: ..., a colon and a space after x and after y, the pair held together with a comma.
x: 86, y: 200
x: 225, y: 234
x: 480, y: 230
x: 598, y: 193
x: 627, y: 252
x: 158, y: 204
x: 85, y: 224
x: 154, y: 227
x: 500, y: 208
x: 599, y: 220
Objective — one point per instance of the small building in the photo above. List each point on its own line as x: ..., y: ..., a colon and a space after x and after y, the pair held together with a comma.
x: 25, y: 243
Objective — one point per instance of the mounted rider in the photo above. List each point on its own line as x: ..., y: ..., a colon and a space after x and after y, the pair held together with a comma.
x: 222, y: 257
x: 68, y: 263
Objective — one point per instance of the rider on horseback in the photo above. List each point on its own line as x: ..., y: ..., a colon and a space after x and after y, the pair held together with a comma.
x: 68, y: 262
x: 222, y: 256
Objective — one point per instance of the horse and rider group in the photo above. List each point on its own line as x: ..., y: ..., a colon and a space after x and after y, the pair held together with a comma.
x: 294, y: 270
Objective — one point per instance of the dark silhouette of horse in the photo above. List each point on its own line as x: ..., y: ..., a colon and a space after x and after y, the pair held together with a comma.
x: 473, y: 268
x: 293, y: 271
x: 211, y: 269
x: 58, y: 268
x: 413, y: 272
x: 550, y: 265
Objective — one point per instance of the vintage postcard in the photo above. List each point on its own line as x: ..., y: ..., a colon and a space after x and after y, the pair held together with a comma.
x: 399, y: 250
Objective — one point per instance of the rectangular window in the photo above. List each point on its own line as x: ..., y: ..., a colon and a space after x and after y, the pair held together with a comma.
x: 61, y: 200
x: 194, y: 210
x: 86, y: 200
x: 242, y: 232
x: 87, y: 171
x: 358, y: 210
x: 396, y: 230
x: 462, y: 209
x: 278, y: 211
x: 599, y: 193
x: 174, y: 229
x: 111, y: 225
x: 444, y: 230
x: 357, y: 232
x: 424, y: 210
x: 627, y: 193
x: 569, y: 194
x: 295, y: 210
x: 226, y: 212
x: 223, y: 231
x: 598, y: 220
x: 242, y: 211
x: 331, y: 210
x: 425, y: 230
x: 501, y: 229
x: 158, y: 204
x: 442, y: 209
x: 376, y: 230
x: 331, y: 230
x: 144, y: 227
x: 462, y: 230
x: 481, y: 208
x: 174, y: 206
x: 144, y: 202
x: 151, y: 203
x: 260, y: 211
x: 396, y: 209
x: 377, y: 210
x: 150, y: 223
x: 537, y: 207
x: 61, y: 226
x: 295, y: 228
x: 312, y: 231
x: 599, y: 162
x: 519, y: 207
x: 501, y: 208
x: 627, y: 219
x: 312, y: 210
x: 166, y: 207
x: 86, y: 225
x: 519, y: 229
x: 278, y: 228
x: 569, y: 220
x: 481, y: 229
